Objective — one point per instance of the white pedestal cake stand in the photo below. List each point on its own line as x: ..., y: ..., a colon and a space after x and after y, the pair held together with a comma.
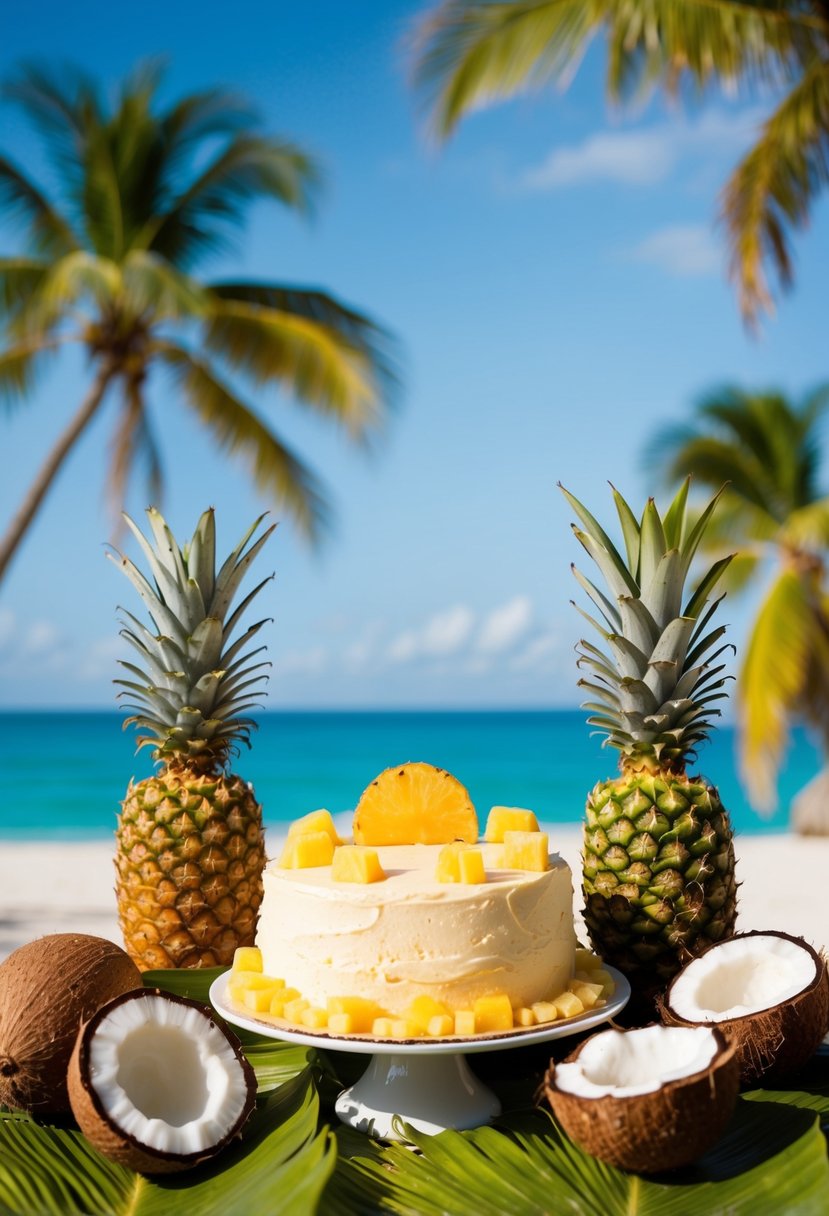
x: 425, y: 1082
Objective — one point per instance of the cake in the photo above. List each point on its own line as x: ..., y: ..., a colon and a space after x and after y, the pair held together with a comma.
x: 419, y: 927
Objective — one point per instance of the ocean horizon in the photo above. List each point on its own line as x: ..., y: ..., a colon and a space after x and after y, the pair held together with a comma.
x: 65, y: 772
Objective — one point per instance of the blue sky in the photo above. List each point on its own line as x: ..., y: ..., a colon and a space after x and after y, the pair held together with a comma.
x: 557, y: 284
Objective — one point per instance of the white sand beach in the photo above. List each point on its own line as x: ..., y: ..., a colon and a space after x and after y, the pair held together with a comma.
x: 58, y: 887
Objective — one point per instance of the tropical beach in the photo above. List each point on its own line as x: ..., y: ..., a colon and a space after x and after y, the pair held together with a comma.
x: 414, y: 609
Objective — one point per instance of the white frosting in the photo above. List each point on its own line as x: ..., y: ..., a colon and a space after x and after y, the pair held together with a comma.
x: 393, y: 940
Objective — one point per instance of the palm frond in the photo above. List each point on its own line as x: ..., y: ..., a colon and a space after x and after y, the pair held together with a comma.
x: 156, y: 287
x: 772, y: 189
x: 22, y: 363
x: 74, y: 280
x: 276, y: 470
x: 59, y: 103
x: 329, y: 358
x: 471, y: 52
x: 19, y: 279
x: 49, y: 232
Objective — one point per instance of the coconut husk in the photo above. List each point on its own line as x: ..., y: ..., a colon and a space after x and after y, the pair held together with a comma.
x: 48, y: 989
x: 774, y: 1043
x: 112, y: 1141
x: 650, y: 1133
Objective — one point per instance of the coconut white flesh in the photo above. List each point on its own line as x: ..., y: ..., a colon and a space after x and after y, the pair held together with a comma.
x: 624, y: 1065
x: 166, y: 1075
x: 742, y: 976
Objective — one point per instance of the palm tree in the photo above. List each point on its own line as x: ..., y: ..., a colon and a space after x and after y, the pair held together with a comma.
x: 144, y: 195
x: 775, y: 512
x: 471, y: 52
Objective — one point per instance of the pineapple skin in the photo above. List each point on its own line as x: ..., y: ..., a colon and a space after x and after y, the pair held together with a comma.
x: 189, y: 861
x: 658, y: 871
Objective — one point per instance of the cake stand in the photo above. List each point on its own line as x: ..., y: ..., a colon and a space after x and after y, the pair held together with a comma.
x: 425, y: 1082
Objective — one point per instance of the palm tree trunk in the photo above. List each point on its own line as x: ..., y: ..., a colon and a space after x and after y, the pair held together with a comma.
x: 37, y: 491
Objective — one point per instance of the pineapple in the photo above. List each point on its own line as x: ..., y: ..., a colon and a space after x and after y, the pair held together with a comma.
x: 190, y: 844
x: 659, y: 881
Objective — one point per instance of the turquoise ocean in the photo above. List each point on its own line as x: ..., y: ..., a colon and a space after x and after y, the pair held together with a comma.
x: 65, y: 772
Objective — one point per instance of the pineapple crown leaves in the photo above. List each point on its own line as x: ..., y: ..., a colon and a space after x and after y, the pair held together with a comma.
x: 191, y: 685
x: 654, y: 685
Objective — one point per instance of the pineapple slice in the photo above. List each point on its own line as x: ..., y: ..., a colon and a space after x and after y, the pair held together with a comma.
x: 340, y: 1023
x: 503, y: 819
x: 294, y: 1010
x: 307, y: 850
x: 315, y: 821
x: 247, y: 958
x: 415, y: 804
x: 257, y: 999
x: 314, y: 1018
x: 459, y: 862
x: 526, y: 851
x: 356, y: 863
x: 464, y: 1022
x: 402, y: 1028
x: 423, y: 1008
x: 586, y: 993
x: 440, y: 1025
x: 362, y: 1011
x: 493, y: 1013
x: 280, y: 999
x: 606, y: 980
x: 381, y: 1028
x: 525, y: 1017
x: 568, y: 1005
x: 545, y: 1011
x: 240, y: 980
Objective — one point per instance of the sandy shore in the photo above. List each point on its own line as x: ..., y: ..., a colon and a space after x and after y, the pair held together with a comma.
x: 62, y: 887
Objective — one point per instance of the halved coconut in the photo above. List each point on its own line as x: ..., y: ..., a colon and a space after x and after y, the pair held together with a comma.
x: 156, y: 1084
x: 48, y: 989
x: 648, y: 1099
x: 768, y: 993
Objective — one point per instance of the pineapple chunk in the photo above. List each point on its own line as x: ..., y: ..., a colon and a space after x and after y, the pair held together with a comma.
x: 606, y: 980
x: 362, y: 1011
x: 293, y: 1010
x: 423, y: 1009
x: 314, y: 1018
x: 568, y: 1005
x: 441, y: 1024
x: 464, y: 1022
x: 257, y: 999
x: 545, y: 1011
x: 381, y: 1028
x: 341, y: 1023
x: 356, y: 863
x: 241, y: 982
x: 307, y: 851
x: 415, y: 804
x: 493, y: 1013
x: 586, y: 993
x: 280, y: 999
x: 586, y: 960
x: 525, y: 1017
x: 595, y: 989
x: 315, y: 821
x: 459, y: 862
x: 402, y: 1028
x: 247, y: 958
x: 503, y: 819
x: 526, y: 851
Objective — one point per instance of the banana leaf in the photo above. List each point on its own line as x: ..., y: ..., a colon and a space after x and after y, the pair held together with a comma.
x: 526, y: 1165
x: 280, y: 1167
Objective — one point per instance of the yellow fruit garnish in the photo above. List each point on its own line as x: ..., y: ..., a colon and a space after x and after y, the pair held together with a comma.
x: 464, y: 1022
x: 440, y: 1025
x: 293, y: 1010
x: 415, y: 804
x: 257, y: 999
x: 568, y: 1005
x: 423, y: 1008
x: 360, y: 1008
x: 587, y: 985
x: 526, y: 851
x: 585, y: 993
x: 503, y: 819
x: 545, y: 1011
x: 247, y: 958
x: 314, y: 1018
x: 402, y: 1028
x: 315, y: 821
x: 381, y: 1028
x: 356, y: 863
x: 586, y: 960
x: 341, y: 1023
x: 307, y: 850
x: 240, y: 981
x: 606, y: 980
x: 280, y: 999
x: 459, y: 862
x: 525, y: 1017
x: 493, y: 1013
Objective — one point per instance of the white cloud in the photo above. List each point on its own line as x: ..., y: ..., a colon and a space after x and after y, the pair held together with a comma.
x: 642, y: 156
x: 6, y: 626
x: 302, y: 662
x: 537, y: 650
x: 39, y: 639
x: 101, y: 659
x: 442, y: 635
x: 505, y: 625
x: 403, y: 648
x: 687, y: 250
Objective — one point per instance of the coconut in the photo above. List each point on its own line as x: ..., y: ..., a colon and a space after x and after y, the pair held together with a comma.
x: 48, y: 988
x: 767, y: 992
x: 649, y: 1099
x: 157, y: 1084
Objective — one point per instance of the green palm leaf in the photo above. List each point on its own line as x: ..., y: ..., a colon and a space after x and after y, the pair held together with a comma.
x: 21, y: 364
x: 49, y: 231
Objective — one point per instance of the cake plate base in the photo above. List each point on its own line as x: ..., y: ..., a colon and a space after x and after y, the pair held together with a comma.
x: 426, y: 1083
